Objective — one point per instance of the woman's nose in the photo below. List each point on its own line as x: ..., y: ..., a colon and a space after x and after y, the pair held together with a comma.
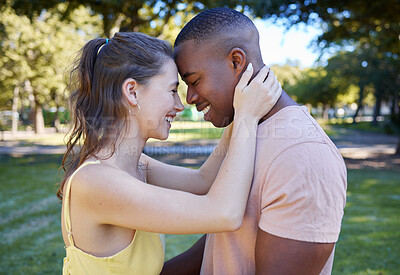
x: 178, y: 104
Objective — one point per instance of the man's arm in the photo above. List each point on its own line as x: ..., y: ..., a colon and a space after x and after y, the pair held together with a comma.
x: 275, y: 255
x: 188, y: 262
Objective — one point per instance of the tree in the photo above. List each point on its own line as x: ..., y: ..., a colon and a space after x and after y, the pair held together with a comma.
x: 344, y: 22
x: 288, y: 73
x: 314, y: 86
x: 35, y: 52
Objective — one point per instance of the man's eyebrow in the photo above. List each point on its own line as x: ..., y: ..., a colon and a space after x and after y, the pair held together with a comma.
x: 187, y: 74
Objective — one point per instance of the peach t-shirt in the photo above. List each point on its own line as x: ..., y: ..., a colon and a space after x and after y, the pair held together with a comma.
x: 298, y: 192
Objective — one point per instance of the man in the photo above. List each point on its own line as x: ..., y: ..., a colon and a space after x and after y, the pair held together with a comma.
x: 298, y: 194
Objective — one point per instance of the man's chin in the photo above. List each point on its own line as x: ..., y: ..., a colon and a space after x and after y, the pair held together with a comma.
x: 221, y: 123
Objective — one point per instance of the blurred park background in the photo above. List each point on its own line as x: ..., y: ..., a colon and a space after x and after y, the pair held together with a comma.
x: 352, y: 88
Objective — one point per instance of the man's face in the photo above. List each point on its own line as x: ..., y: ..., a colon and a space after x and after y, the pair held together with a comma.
x: 211, y: 81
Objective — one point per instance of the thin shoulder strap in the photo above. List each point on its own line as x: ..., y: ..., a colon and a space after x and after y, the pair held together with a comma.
x: 67, y: 217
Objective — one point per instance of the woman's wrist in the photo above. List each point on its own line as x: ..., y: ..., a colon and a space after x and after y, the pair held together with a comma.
x: 246, y: 118
x: 244, y: 124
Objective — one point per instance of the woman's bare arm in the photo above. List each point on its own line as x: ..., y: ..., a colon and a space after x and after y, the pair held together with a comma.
x: 196, y: 181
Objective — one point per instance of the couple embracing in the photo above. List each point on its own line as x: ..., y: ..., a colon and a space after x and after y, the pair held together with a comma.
x: 270, y: 197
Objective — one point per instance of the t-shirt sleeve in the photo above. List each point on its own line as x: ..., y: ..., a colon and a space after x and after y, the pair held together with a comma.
x: 304, y: 194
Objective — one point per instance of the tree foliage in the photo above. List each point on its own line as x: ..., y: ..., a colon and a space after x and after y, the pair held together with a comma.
x: 130, y: 15
x: 35, y: 52
x: 344, y: 22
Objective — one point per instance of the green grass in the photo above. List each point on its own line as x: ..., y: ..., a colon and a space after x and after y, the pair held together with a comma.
x: 31, y: 241
x: 382, y: 127
x: 370, y: 237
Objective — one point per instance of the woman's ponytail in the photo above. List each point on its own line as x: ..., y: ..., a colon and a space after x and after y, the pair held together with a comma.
x: 86, y: 64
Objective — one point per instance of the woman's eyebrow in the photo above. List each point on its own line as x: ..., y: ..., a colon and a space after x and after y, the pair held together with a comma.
x: 174, y: 84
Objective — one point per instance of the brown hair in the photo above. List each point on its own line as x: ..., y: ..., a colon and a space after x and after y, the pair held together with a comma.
x: 98, y: 111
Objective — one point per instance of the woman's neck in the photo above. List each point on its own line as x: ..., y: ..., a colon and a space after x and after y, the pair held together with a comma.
x: 126, y: 155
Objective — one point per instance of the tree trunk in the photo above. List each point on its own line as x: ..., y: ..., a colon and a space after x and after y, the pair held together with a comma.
x: 31, y: 97
x: 397, y: 118
x: 14, y: 125
x: 377, y: 109
x: 395, y: 110
x: 39, y: 120
x: 360, y: 102
x: 56, y: 121
x: 117, y: 25
x: 325, y: 112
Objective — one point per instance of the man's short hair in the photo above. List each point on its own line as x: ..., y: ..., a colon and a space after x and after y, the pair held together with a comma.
x: 212, y: 22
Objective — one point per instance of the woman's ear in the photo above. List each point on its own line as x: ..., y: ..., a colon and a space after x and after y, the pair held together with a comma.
x: 129, y: 90
x: 238, y: 58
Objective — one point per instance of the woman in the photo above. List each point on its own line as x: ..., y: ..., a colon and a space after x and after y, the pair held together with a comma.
x: 125, y: 93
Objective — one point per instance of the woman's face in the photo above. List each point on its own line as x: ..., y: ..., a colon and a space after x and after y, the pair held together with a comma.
x: 159, y: 103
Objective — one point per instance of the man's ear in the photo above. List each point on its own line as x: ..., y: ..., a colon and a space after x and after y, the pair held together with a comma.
x: 129, y: 90
x: 238, y: 58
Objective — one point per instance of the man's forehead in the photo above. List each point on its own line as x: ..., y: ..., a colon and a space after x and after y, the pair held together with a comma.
x: 192, y: 48
x: 184, y: 50
x: 185, y: 56
x: 190, y: 55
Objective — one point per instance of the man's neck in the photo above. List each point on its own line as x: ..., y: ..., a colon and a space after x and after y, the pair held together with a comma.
x: 283, y: 101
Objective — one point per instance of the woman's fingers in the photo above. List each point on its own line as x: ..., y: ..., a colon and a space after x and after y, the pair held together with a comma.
x: 276, y: 89
x: 258, y: 97
x: 270, y: 79
x: 262, y: 75
x: 244, y: 80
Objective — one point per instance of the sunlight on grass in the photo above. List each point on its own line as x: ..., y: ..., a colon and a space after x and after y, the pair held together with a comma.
x: 180, y: 131
x: 369, y: 237
x: 54, y: 139
x: 31, y: 242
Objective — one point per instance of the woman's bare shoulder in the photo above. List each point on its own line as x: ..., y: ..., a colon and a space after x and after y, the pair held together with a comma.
x: 100, y: 179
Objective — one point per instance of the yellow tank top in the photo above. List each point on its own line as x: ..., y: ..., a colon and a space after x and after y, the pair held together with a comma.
x: 144, y: 255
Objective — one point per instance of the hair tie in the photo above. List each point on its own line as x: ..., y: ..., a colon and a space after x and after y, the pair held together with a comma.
x: 98, y: 51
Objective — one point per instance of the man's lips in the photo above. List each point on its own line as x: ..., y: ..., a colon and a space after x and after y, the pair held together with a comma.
x: 206, y: 110
x: 201, y: 107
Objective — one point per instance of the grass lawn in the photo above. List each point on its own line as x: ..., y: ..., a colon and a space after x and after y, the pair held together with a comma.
x: 331, y: 126
x: 370, y: 238
x: 31, y: 241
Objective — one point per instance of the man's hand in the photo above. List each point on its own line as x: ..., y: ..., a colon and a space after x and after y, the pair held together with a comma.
x: 275, y: 255
x: 187, y: 263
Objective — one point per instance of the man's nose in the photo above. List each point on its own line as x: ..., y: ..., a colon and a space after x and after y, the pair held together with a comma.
x: 191, y: 96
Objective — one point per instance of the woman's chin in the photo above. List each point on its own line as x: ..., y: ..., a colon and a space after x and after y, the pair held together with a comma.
x: 164, y: 137
x: 161, y: 136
